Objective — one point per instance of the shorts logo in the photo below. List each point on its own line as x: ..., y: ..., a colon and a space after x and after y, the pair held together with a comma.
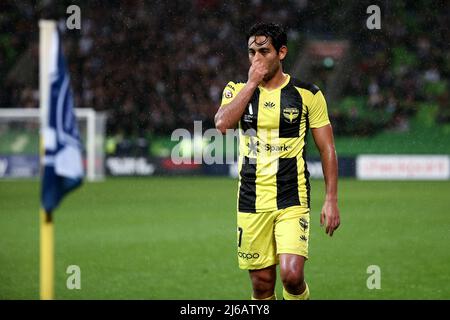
x: 290, y: 114
x: 303, y: 223
x: 303, y: 238
x: 248, y: 256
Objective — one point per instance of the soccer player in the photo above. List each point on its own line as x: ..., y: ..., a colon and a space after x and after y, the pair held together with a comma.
x: 275, y: 112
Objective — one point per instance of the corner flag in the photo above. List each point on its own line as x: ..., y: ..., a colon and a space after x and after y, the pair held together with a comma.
x: 62, y: 161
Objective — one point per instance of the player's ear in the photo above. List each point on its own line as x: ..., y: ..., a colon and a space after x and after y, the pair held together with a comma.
x: 282, y: 52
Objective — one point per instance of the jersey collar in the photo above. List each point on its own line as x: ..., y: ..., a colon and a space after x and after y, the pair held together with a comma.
x: 288, y: 78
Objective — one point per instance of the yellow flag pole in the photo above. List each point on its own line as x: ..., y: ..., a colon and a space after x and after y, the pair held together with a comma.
x: 46, y: 31
x: 46, y: 256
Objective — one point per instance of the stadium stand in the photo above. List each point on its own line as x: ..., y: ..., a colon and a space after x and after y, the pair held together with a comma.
x: 156, y: 66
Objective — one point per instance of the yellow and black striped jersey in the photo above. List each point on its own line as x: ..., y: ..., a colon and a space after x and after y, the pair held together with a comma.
x: 272, y: 168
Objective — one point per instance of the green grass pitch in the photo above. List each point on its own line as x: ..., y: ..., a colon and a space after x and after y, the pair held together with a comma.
x: 175, y: 238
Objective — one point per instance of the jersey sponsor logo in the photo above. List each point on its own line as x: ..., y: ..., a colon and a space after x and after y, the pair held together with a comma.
x: 248, y: 256
x: 269, y: 105
x: 253, y: 147
x: 290, y: 114
x: 271, y: 148
x: 228, y: 94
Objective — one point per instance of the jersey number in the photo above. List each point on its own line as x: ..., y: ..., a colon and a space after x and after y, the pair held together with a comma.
x: 240, y: 236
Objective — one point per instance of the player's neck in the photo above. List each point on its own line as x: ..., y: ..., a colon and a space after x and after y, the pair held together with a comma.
x: 277, y: 81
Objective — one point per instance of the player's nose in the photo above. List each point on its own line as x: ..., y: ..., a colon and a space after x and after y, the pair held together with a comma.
x: 257, y: 56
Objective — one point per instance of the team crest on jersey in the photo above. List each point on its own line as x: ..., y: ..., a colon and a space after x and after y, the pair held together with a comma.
x: 291, y: 114
x: 228, y: 94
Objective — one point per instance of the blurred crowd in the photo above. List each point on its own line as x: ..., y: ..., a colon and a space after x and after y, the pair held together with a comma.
x: 159, y: 65
x: 403, y: 67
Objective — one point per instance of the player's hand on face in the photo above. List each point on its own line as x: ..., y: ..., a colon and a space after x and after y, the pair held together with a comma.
x: 330, y: 217
x: 257, y: 71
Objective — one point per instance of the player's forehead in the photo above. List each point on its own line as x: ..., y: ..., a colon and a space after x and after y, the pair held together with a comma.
x: 259, y: 42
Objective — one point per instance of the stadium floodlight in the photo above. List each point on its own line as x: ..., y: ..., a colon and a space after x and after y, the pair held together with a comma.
x: 19, y: 136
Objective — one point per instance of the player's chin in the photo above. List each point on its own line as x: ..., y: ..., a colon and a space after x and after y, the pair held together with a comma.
x: 270, y: 75
x: 267, y: 77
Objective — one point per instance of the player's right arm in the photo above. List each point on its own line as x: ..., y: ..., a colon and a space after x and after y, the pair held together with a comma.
x: 230, y: 112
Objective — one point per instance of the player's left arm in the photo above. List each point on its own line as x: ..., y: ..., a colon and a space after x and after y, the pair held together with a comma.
x: 323, y: 138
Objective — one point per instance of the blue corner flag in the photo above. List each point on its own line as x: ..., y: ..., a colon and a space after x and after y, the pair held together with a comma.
x: 62, y: 162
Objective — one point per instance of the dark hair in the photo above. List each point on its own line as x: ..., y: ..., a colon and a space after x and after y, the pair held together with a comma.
x: 275, y: 31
